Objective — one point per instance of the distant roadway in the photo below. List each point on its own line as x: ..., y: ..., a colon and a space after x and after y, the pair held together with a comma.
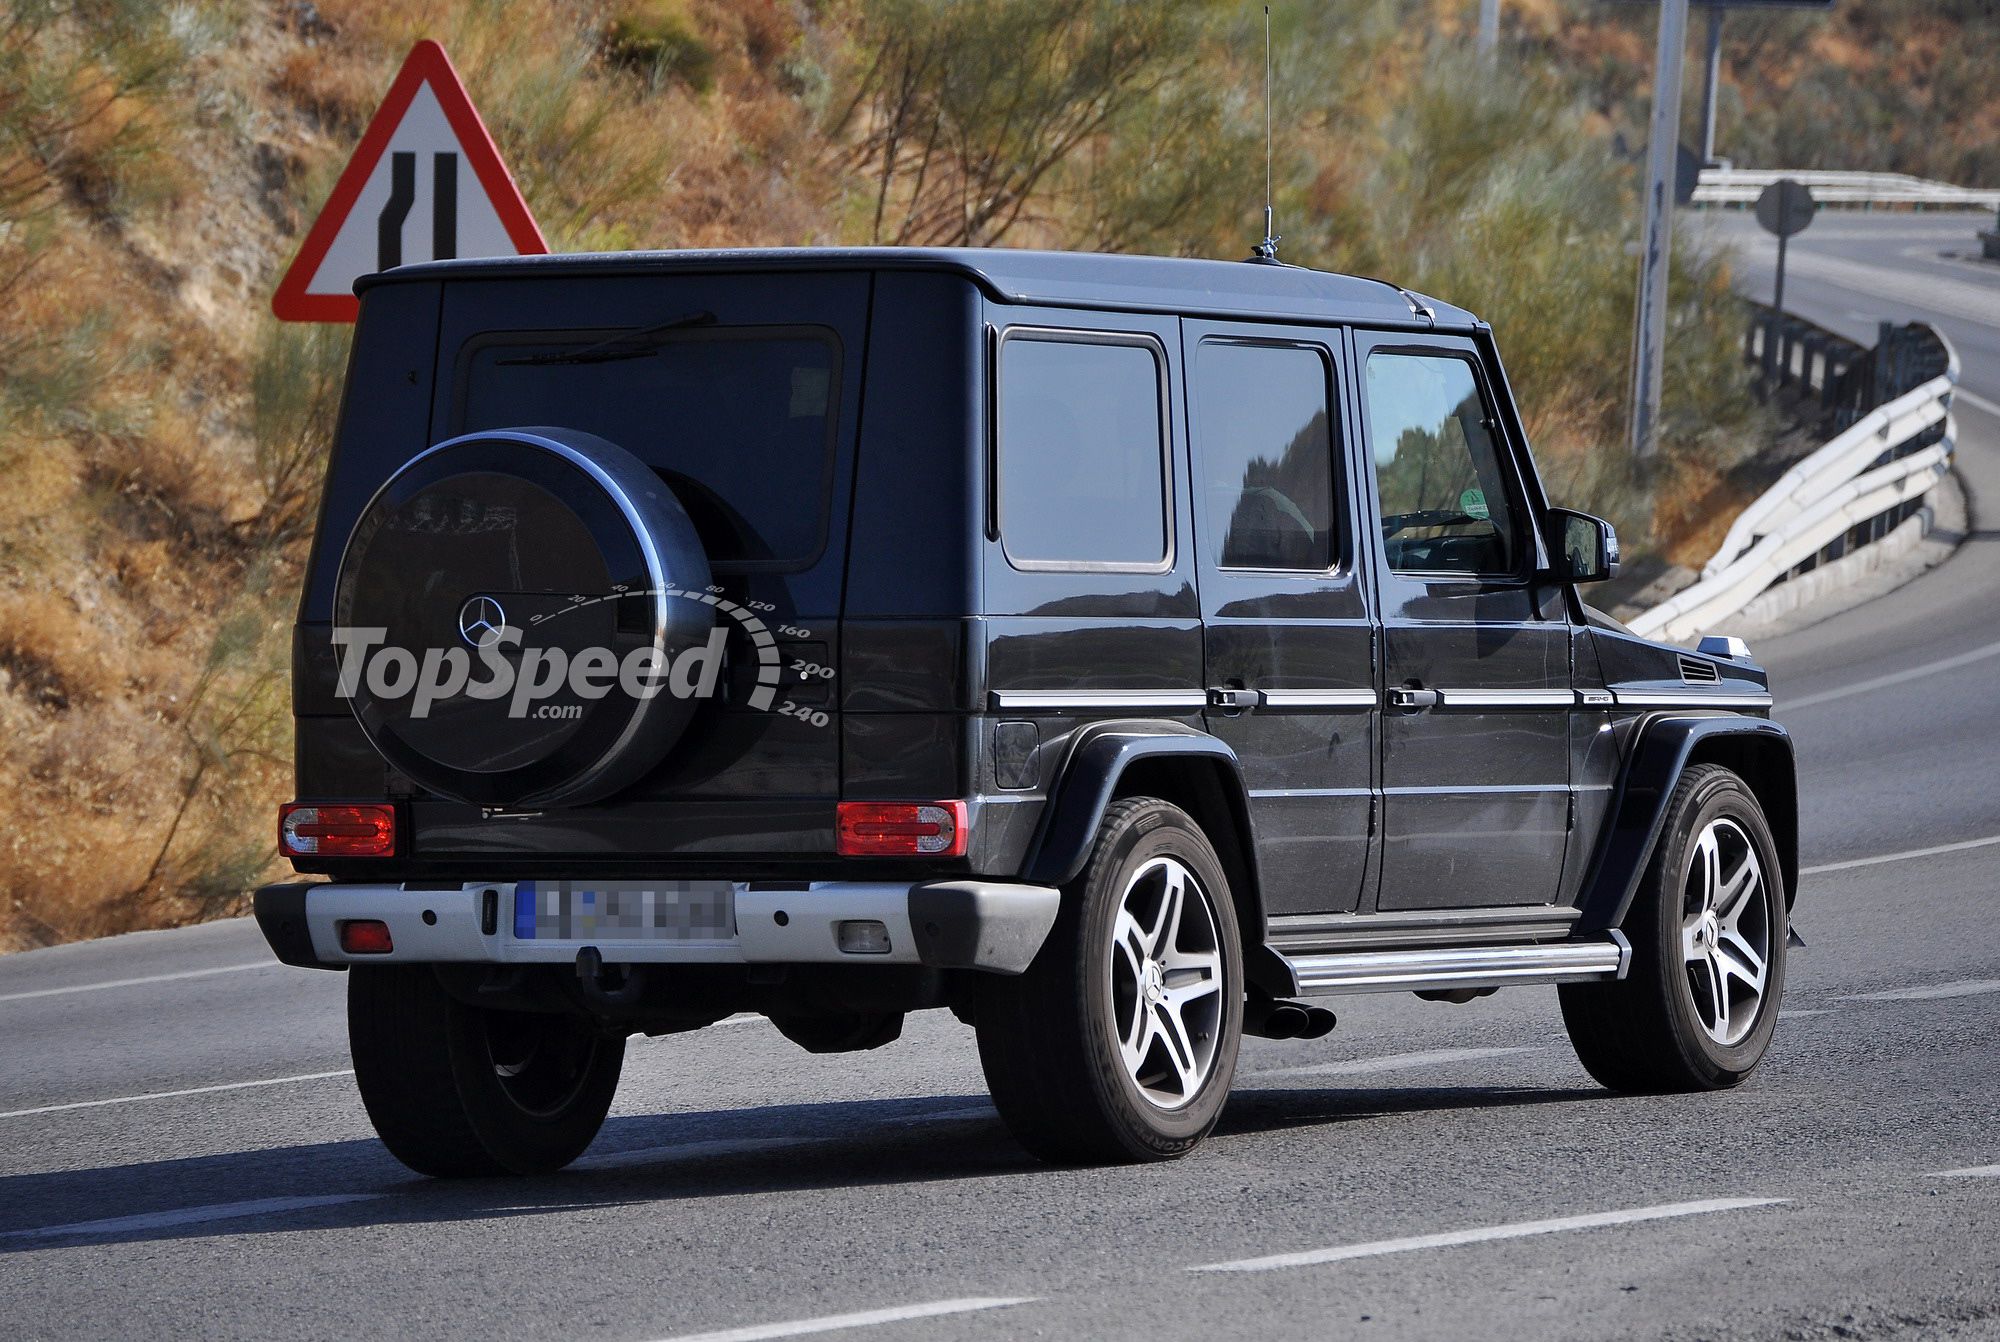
x: 182, y: 1151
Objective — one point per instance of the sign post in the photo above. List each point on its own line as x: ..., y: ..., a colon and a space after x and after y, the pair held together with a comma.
x: 425, y: 184
x: 1663, y: 143
x: 1785, y: 207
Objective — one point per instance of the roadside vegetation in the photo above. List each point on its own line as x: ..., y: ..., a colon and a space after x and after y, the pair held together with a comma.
x: 161, y: 438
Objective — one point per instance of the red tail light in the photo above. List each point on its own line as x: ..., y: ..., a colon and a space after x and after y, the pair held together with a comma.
x: 365, y: 936
x: 336, y: 831
x: 901, y: 829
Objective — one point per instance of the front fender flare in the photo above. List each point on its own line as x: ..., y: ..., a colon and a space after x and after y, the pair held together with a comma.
x: 1666, y: 744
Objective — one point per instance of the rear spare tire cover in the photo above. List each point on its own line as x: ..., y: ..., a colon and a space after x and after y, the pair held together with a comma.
x: 544, y: 562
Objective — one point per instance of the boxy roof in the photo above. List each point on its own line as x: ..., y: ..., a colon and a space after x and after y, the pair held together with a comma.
x: 1057, y: 279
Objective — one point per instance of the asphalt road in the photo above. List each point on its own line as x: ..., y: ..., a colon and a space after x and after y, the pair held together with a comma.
x: 181, y: 1151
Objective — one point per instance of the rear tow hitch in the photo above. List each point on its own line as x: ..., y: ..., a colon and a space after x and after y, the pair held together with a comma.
x: 608, y: 985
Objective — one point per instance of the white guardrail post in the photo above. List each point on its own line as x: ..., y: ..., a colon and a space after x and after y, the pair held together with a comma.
x: 1814, y: 502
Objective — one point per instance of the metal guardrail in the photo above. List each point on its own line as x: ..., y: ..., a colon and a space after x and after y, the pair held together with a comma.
x: 1742, y: 186
x: 1849, y: 493
x: 1808, y: 363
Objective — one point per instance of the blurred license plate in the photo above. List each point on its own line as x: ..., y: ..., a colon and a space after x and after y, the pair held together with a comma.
x: 624, y: 910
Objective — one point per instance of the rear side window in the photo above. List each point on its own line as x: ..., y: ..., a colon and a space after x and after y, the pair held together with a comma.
x: 1081, y: 453
x: 739, y: 422
x: 1262, y: 416
x: 1446, y: 503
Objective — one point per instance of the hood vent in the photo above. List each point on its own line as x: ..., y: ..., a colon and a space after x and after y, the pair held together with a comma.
x: 1696, y: 672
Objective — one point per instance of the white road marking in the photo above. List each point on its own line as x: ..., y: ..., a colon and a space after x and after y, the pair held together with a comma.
x: 1975, y: 400
x: 1979, y: 654
x: 1395, y: 1062
x: 1973, y: 1172
x: 133, y: 983
x: 1482, y: 1234
x: 175, y: 1094
x: 867, y: 1318
x: 185, y: 1216
x: 1904, y: 856
x: 1935, y: 992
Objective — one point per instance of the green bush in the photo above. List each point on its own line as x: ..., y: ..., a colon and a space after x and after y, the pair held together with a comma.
x: 657, y: 39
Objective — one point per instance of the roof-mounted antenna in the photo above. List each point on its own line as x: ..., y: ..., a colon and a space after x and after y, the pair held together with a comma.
x: 1267, y: 250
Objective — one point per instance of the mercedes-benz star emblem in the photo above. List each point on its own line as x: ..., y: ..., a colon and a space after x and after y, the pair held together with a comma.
x: 480, y: 621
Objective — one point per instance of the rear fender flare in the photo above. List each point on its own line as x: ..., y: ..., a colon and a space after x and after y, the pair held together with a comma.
x: 1098, y: 762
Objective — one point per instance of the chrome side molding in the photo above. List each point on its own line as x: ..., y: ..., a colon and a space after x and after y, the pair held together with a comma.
x: 1093, y: 701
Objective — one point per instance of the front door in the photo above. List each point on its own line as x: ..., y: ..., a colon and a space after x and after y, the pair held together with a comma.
x: 1288, y: 635
x: 1475, y: 756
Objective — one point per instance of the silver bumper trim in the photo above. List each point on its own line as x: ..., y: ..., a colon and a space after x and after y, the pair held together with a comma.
x: 967, y: 924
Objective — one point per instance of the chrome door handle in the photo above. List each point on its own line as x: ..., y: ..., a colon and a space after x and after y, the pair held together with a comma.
x: 1412, y: 700
x: 1232, y: 700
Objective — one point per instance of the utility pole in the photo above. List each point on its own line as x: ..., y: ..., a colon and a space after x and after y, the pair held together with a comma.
x: 1649, y: 362
x: 1489, y: 28
x: 1713, y: 85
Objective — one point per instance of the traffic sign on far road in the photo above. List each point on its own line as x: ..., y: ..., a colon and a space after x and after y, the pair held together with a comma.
x: 426, y: 183
x: 1786, y: 207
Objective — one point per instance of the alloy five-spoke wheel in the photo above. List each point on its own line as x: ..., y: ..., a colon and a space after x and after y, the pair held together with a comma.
x: 1708, y: 927
x: 1120, y: 1041
x: 1166, y: 982
x: 1725, y: 931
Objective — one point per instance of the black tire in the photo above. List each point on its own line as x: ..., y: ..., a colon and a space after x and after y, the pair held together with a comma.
x: 1648, y: 1032
x: 1049, y: 1039
x: 457, y: 1091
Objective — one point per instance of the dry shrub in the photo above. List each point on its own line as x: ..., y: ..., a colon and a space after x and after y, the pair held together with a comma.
x: 340, y: 96
x: 50, y: 652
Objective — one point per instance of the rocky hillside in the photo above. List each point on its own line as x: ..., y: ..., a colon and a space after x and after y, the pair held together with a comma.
x: 161, y: 438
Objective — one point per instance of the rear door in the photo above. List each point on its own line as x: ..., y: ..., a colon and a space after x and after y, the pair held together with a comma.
x: 1475, y: 756
x: 748, y: 406
x: 1289, y: 637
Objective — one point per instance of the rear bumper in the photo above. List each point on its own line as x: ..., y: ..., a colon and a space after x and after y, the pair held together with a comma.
x: 961, y: 924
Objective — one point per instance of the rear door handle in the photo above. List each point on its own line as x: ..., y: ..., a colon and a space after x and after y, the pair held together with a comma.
x: 1412, y: 700
x: 1233, y: 700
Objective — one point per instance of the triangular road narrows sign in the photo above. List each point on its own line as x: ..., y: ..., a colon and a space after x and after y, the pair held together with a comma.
x: 425, y: 183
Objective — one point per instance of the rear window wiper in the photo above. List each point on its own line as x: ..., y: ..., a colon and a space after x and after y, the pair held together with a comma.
x: 637, y: 344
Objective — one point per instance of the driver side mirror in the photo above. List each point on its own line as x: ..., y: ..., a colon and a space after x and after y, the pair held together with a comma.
x: 1586, y: 548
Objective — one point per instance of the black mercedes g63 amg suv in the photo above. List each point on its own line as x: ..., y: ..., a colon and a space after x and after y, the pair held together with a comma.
x: 1112, y: 650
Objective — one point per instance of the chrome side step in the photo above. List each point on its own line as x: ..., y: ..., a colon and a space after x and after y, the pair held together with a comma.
x: 1461, y: 967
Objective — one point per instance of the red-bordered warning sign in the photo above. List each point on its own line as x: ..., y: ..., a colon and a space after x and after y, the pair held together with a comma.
x: 425, y: 184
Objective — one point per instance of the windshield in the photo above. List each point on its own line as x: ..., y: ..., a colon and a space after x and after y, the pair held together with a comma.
x: 739, y: 421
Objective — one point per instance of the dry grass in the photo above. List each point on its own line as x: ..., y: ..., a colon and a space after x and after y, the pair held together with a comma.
x: 161, y: 438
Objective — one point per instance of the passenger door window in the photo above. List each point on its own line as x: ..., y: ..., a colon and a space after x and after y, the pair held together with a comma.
x: 1267, y: 456
x: 1082, y: 469
x: 1447, y: 503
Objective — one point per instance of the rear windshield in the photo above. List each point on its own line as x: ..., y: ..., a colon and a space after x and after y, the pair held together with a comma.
x: 739, y: 422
